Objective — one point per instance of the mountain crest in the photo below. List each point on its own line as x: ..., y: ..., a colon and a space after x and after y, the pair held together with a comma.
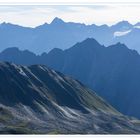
x: 123, y: 23
x: 90, y: 42
x: 119, y: 45
x: 57, y: 20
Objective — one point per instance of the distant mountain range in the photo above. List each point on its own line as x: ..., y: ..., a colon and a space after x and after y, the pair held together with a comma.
x: 113, y: 72
x: 63, y: 35
x: 38, y: 100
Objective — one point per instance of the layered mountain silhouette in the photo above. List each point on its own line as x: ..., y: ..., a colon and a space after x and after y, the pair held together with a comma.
x: 38, y: 100
x: 113, y: 72
x: 60, y: 34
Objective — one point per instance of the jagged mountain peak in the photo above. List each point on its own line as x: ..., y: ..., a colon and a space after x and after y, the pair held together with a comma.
x: 15, y: 50
x: 91, y: 40
x: 42, y: 25
x: 11, y: 49
x: 57, y: 20
x: 9, y: 26
x: 123, y: 23
x: 137, y: 24
x: 89, y: 43
x: 122, y: 26
x: 122, y: 48
x: 118, y: 45
x: 6, y: 24
x: 55, y: 51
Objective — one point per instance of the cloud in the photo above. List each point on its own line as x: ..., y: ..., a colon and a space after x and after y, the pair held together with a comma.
x: 33, y: 15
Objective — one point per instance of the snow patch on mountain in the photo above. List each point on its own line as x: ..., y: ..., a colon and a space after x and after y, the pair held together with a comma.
x: 138, y: 27
x: 121, y: 33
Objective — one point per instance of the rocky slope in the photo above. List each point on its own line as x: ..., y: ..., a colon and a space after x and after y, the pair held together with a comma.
x: 38, y: 100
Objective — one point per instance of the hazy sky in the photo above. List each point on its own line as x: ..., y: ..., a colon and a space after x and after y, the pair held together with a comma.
x: 29, y: 15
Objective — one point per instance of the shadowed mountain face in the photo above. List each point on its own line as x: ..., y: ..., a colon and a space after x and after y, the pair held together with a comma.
x: 36, y: 99
x: 113, y: 72
x: 60, y: 34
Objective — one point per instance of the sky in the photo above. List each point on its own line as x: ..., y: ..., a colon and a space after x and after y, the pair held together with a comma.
x: 34, y: 15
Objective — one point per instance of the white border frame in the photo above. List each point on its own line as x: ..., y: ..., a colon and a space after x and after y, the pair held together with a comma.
x: 69, y: 2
